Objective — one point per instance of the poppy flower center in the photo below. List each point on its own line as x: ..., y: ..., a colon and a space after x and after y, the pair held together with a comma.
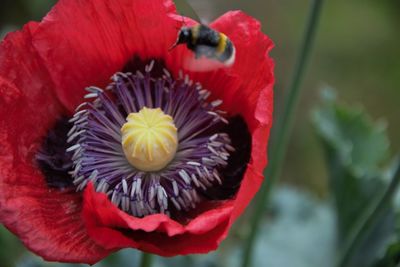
x: 149, y: 139
x: 152, y: 142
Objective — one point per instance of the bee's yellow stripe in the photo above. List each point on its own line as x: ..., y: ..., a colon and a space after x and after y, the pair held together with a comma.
x: 195, y: 34
x: 222, y: 43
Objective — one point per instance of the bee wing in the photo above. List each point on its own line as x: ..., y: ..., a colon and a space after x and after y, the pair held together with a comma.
x: 204, y: 51
x: 203, y: 59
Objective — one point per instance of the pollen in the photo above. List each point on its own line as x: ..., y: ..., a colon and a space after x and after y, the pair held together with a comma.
x: 149, y: 139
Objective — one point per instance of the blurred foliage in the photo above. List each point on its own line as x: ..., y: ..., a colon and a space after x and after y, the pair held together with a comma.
x: 11, y: 248
x: 361, y: 145
x: 298, y: 225
x: 356, y: 149
x: 17, y: 12
x: 391, y: 257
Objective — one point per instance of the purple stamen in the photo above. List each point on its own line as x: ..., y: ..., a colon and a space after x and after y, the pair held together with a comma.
x: 98, y: 155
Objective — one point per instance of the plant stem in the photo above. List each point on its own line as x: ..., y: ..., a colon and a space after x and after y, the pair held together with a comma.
x: 368, y: 220
x: 185, y: 9
x: 280, y: 133
x: 146, y: 260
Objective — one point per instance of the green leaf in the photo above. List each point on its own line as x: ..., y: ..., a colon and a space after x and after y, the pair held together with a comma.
x: 391, y: 257
x: 361, y: 144
x: 7, y: 240
x: 357, y: 149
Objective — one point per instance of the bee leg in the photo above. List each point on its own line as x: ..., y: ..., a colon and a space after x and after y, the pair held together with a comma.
x: 173, y: 46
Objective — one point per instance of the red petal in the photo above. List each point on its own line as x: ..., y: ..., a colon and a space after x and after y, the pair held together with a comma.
x: 46, y: 220
x: 85, y: 42
x: 154, y: 233
x: 254, y: 91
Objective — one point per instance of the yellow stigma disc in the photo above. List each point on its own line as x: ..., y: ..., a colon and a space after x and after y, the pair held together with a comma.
x: 149, y: 139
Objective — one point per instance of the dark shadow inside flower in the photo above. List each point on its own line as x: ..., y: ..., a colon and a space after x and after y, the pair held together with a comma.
x: 233, y: 173
x: 137, y: 63
x: 53, y: 159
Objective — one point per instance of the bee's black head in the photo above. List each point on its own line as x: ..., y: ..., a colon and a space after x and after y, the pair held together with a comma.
x: 184, y: 35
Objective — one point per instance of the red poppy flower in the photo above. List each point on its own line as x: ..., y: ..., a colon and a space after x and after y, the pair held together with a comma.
x: 67, y: 192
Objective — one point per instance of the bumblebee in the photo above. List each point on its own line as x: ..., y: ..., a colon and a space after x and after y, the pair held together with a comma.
x: 206, y: 42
